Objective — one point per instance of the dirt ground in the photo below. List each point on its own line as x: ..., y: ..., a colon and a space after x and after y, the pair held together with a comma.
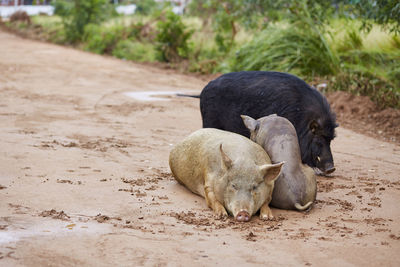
x: 360, y: 114
x: 84, y: 176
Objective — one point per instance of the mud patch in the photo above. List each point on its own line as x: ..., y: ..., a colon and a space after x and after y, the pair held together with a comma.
x: 395, y: 237
x: 250, y: 237
x: 206, y: 223
x: 191, y: 218
x: 58, y: 215
x: 101, y: 218
x: 127, y: 109
x: 343, y: 204
x: 91, y: 143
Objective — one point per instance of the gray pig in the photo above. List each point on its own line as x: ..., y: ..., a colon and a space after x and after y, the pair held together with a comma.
x: 231, y: 172
x: 296, y: 187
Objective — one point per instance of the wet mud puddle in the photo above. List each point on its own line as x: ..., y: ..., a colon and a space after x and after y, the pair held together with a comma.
x: 21, y: 230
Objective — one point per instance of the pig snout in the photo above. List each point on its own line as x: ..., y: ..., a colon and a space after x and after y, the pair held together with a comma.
x: 326, y: 168
x: 329, y: 168
x: 243, y: 216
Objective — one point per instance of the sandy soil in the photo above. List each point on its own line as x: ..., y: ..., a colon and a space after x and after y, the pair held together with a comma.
x: 360, y: 114
x: 84, y: 177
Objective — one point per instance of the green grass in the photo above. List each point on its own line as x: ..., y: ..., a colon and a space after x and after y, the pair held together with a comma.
x: 52, y: 28
x: 303, y: 51
x: 48, y: 22
x: 135, y: 51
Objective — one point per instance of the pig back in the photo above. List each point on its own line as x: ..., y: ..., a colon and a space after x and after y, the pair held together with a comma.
x: 278, y: 137
x: 185, y: 162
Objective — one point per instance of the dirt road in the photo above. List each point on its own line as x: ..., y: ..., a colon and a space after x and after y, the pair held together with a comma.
x: 84, y: 177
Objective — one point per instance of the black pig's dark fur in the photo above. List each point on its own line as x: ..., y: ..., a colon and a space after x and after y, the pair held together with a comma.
x: 258, y: 94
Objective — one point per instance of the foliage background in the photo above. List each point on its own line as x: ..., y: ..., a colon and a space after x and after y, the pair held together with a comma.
x: 351, y: 45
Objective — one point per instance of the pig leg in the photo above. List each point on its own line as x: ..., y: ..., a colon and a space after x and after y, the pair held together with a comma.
x: 265, y: 212
x: 213, y: 203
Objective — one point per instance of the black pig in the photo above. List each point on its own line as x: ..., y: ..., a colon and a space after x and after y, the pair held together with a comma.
x: 258, y: 94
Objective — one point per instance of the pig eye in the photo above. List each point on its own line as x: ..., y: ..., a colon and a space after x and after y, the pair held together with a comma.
x: 254, y: 187
x: 234, y: 186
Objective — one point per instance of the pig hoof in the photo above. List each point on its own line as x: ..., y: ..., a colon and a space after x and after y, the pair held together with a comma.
x: 219, y: 211
x: 266, y: 217
x: 221, y: 215
x: 243, y: 216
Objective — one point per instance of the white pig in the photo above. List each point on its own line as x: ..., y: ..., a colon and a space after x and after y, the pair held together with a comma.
x: 232, y: 173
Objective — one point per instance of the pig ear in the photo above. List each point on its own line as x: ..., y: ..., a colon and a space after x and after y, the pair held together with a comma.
x: 226, y: 161
x: 271, y: 171
x: 250, y: 123
x: 314, y: 126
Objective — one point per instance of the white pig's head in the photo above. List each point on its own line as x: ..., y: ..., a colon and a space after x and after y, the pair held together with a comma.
x: 248, y: 185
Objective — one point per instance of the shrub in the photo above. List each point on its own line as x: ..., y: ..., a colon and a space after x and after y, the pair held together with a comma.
x: 77, y: 16
x: 142, y: 31
x: 135, y: 51
x: 101, y: 39
x: 172, y: 38
x: 62, y: 8
x: 145, y: 7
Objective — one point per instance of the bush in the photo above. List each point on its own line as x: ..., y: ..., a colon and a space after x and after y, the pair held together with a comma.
x: 172, y: 38
x: 101, y: 39
x: 135, y: 51
x: 82, y: 12
x: 145, y: 7
x: 62, y: 8
x: 144, y: 32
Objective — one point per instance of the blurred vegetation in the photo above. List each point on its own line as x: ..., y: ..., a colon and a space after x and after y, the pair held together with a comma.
x: 79, y: 13
x: 352, y: 45
x: 146, y: 7
x: 291, y: 48
x: 172, y: 37
x: 135, y: 51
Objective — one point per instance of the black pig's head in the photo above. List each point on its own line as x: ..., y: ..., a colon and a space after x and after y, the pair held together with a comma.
x: 315, y: 144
